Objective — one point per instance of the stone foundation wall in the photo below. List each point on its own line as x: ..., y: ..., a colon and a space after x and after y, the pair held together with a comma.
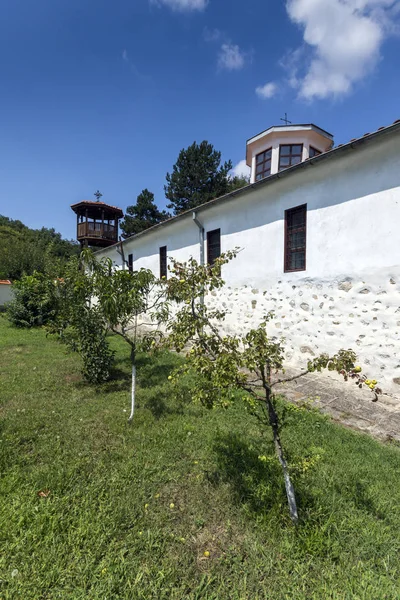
x: 316, y: 316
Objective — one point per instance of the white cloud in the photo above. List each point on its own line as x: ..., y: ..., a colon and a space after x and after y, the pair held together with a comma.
x: 240, y: 170
x: 231, y: 57
x: 133, y: 68
x: 267, y: 91
x: 344, y: 38
x: 212, y: 35
x: 290, y: 63
x: 182, y: 5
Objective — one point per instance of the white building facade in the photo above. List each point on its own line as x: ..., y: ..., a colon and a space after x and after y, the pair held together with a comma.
x: 319, y: 239
x: 6, y: 293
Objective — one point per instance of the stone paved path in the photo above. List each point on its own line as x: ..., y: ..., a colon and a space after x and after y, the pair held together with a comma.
x: 346, y: 403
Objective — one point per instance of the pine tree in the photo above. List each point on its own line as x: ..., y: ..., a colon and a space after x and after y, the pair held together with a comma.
x: 197, y: 177
x: 238, y: 181
x: 142, y: 215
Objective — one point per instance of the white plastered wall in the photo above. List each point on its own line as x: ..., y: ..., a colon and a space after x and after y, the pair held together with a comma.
x: 6, y: 294
x: 273, y: 140
x: 349, y: 296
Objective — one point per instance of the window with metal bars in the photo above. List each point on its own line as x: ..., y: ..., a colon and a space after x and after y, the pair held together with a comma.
x: 289, y: 155
x: 163, y: 262
x: 213, y: 246
x: 130, y: 263
x: 263, y: 164
x: 295, y: 238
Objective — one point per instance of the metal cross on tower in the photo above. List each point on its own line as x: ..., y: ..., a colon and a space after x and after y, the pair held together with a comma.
x: 286, y: 120
x: 98, y: 195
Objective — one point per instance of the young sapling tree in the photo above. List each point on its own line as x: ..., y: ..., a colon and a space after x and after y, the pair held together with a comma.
x: 252, y: 363
x: 95, y: 298
x: 128, y: 301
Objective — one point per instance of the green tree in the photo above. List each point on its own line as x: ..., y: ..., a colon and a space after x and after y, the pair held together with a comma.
x: 142, y: 215
x: 237, y: 181
x: 197, y: 177
x: 231, y: 367
x: 79, y: 322
x: 95, y: 299
x: 24, y: 250
x: 129, y: 301
x: 34, y: 302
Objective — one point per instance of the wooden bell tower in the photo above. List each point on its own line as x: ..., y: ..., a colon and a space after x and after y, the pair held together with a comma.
x: 96, y: 222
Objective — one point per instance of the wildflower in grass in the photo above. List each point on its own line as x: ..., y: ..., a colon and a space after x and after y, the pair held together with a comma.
x: 172, y: 505
x: 206, y: 553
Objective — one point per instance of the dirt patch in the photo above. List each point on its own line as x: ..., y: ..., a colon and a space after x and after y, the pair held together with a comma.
x: 73, y: 378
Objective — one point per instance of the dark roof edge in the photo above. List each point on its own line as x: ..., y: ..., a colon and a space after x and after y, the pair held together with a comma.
x: 293, y: 125
x: 394, y: 127
x: 94, y: 204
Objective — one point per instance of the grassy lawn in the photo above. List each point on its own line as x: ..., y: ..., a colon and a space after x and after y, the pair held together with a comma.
x: 128, y: 511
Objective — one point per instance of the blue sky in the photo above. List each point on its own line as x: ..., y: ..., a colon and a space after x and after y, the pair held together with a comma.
x: 102, y: 95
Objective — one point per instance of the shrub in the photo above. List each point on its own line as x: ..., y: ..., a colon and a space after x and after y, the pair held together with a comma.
x: 35, y: 300
x: 97, y: 357
x: 79, y: 323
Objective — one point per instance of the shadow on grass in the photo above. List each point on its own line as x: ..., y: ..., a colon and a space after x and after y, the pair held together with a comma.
x: 154, y: 369
x: 328, y: 521
x: 154, y: 391
x: 156, y: 404
x: 152, y: 372
x: 153, y: 388
x: 254, y: 481
x: 160, y: 401
x: 359, y: 494
x: 120, y: 380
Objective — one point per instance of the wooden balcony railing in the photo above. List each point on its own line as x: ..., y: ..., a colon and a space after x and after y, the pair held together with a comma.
x: 88, y: 229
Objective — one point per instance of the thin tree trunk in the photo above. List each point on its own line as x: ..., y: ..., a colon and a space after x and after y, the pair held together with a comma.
x: 133, y: 389
x: 273, y: 421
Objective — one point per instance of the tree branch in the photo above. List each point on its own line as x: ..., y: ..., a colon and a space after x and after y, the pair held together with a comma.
x: 287, y: 379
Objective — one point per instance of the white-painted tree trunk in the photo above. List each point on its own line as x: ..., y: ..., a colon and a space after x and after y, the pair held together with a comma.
x: 133, y: 392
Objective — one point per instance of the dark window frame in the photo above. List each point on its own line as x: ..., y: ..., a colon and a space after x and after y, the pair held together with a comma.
x: 130, y: 263
x: 265, y: 172
x: 211, y: 245
x: 163, y: 261
x: 288, y: 251
x: 290, y: 156
x: 315, y: 150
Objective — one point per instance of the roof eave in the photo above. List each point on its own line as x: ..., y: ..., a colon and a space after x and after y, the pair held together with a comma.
x: 286, y: 173
x: 106, y: 207
x: 309, y: 126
